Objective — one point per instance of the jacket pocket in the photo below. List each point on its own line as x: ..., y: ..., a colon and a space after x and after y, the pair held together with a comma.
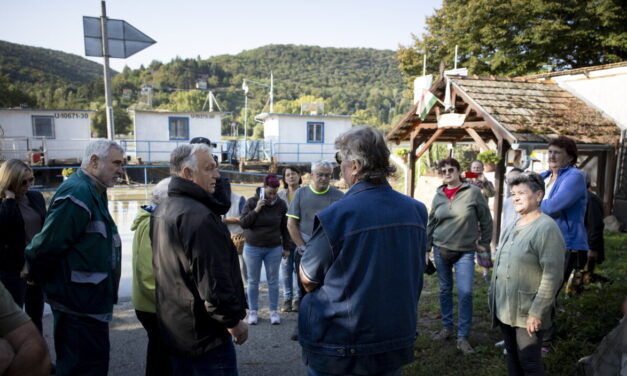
x: 525, y: 300
x: 87, y: 277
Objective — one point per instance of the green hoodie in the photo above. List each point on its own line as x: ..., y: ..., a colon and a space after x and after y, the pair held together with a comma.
x: 143, y: 295
x: 457, y: 224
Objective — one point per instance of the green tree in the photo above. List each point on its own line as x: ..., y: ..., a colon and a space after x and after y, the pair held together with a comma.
x: 10, y: 96
x: 121, y: 121
x: 517, y: 37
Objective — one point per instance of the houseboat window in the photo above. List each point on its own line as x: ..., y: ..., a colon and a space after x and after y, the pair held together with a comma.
x: 43, y: 126
x: 315, y: 132
x: 179, y: 128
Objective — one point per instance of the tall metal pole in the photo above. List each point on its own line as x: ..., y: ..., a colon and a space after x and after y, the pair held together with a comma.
x: 107, y: 77
x: 246, y: 125
x: 271, y: 92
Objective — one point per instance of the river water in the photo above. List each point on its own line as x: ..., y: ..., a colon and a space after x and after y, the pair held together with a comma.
x: 123, y: 206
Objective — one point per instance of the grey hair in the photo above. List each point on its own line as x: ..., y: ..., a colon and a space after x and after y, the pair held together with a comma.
x: 160, y: 191
x: 531, y: 179
x: 184, y: 155
x: 321, y: 164
x: 99, y: 148
x: 366, y: 145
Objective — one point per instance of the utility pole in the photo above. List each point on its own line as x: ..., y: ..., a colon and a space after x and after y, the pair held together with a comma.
x: 271, y: 92
x: 107, y: 77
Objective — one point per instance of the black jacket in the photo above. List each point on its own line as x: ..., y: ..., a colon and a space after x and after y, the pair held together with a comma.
x: 199, y: 288
x: 12, y: 233
x: 268, y: 228
x: 595, y: 226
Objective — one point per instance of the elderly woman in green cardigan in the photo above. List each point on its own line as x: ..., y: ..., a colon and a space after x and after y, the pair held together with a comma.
x: 528, y: 270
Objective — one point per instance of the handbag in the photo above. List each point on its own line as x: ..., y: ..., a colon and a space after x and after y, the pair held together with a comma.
x: 484, y: 259
x: 578, y: 282
x: 238, y: 242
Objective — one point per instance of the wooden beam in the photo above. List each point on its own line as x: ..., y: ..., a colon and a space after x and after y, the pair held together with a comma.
x: 428, y: 144
x: 414, y: 127
x: 398, y: 126
x: 611, y: 168
x: 475, y: 136
x: 586, y: 161
x: 499, y: 174
x: 411, y: 172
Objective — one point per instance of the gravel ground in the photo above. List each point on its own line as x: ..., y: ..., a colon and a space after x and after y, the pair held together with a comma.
x: 268, y: 351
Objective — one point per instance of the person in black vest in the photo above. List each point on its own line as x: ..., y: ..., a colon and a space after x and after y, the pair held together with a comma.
x: 22, y: 215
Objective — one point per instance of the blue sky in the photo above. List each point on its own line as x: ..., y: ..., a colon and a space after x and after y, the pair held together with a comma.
x: 189, y: 28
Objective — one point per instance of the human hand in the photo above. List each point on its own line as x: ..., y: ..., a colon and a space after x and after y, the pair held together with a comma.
x: 286, y: 253
x: 593, y: 254
x: 9, y: 194
x: 260, y: 204
x: 533, y: 325
x: 239, y: 332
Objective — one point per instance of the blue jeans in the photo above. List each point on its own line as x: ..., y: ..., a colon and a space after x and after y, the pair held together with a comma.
x: 287, y: 276
x: 221, y: 361
x: 464, y: 273
x: 396, y: 372
x: 271, y: 258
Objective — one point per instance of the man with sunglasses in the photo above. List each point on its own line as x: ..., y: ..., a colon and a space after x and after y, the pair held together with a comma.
x: 222, y: 196
x: 307, y: 202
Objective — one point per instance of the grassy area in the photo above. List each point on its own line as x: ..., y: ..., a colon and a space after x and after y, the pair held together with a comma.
x: 581, y: 326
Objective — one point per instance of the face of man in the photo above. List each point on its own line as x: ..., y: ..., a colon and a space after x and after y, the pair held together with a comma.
x: 476, y: 167
x: 206, y: 172
x: 320, y: 178
x: 558, y: 157
x: 109, y: 169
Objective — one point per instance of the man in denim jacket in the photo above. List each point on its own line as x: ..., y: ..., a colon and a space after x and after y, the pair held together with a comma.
x: 363, y: 268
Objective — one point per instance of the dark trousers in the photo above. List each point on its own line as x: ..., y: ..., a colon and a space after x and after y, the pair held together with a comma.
x: 157, y: 358
x: 82, y: 345
x: 524, y: 353
x: 301, y: 288
x: 574, y: 260
x: 27, y: 296
x: 221, y: 361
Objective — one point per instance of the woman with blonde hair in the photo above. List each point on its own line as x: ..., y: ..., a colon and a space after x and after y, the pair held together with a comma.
x: 22, y: 214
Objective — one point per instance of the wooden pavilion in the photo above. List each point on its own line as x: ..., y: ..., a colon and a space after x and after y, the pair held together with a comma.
x: 516, y: 114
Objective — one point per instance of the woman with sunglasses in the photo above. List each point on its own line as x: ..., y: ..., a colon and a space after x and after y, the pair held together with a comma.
x: 22, y: 214
x: 457, y: 210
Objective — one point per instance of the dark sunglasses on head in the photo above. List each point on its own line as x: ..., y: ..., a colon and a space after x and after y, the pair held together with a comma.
x: 28, y: 181
x: 449, y: 170
x: 202, y: 140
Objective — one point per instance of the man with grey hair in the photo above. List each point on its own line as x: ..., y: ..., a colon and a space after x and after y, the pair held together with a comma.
x: 307, y: 202
x: 200, y: 294
x: 77, y: 259
x: 363, y: 269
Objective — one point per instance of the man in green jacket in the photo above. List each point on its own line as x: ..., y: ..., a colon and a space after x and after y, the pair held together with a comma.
x: 77, y: 259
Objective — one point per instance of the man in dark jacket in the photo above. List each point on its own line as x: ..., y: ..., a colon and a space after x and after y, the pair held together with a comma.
x: 200, y: 294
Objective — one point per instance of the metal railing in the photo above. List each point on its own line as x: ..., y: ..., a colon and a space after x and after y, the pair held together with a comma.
x: 157, y: 151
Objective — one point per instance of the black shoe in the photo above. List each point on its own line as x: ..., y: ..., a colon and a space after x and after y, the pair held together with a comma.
x: 294, y: 336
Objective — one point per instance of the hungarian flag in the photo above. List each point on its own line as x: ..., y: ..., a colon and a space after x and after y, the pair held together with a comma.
x: 426, y: 101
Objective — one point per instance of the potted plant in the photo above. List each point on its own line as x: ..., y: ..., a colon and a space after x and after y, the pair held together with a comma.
x: 403, y: 153
x: 489, y: 159
x: 66, y: 172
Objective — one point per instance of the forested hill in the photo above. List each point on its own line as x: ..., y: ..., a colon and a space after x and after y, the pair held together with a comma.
x: 25, y: 64
x: 365, y: 83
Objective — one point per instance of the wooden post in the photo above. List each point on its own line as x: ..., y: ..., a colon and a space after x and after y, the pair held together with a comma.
x: 503, y: 146
x: 411, y: 173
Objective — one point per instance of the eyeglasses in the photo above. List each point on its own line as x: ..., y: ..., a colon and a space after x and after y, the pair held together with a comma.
x: 449, y: 170
x: 28, y: 181
x: 322, y: 175
x: 338, y: 158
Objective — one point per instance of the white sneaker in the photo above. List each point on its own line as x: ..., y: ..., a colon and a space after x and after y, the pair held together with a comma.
x: 275, y: 319
x: 252, y: 318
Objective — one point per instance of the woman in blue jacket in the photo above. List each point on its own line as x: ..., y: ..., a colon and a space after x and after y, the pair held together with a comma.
x: 566, y: 199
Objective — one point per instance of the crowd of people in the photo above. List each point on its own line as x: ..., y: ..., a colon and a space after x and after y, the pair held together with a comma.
x: 351, y: 264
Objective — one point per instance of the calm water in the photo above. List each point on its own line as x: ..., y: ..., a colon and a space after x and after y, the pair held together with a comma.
x: 123, y: 205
